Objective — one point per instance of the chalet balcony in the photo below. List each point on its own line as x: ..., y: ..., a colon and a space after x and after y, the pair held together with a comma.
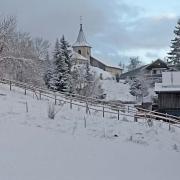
x: 153, y: 77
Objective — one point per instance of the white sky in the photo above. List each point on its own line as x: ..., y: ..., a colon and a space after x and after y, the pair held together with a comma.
x: 116, y: 29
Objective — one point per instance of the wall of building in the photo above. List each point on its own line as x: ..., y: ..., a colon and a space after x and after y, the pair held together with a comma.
x: 169, y: 100
x: 94, y: 62
x: 80, y: 61
x: 113, y: 71
x: 84, y: 51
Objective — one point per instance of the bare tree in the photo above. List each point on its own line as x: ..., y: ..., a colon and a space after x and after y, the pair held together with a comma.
x: 41, y: 47
x: 7, y: 29
x: 134, y: 63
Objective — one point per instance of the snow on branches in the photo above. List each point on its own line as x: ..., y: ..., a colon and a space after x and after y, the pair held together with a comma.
x: 139, y: 89
x: 174, y: 54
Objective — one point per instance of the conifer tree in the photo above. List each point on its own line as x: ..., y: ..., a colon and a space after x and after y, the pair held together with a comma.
x: 174, y: 54
x: 61, y: 80
x: 48, y: 71
x: 66, y: 52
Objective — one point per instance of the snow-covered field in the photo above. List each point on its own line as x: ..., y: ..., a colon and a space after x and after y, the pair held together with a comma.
x: 113, y: 90
x: 117, y: 91
x: 33, y: 147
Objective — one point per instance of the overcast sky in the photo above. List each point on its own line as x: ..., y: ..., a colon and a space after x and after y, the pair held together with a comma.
x: 114, y: 28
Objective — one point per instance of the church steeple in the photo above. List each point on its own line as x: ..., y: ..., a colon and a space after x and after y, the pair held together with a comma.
x: 81, y: 46
x: 81, y: 39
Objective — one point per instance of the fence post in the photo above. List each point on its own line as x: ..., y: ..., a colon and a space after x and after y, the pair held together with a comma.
x: 55, y: 99
x: 25, y: 91
x: 71, y: 103
x: 26, y: 107
x: 135, y: 118
x: 86, y: 107
x: 169, y: 127
x: 85, y: 122
x: 40, y: 94
x: 118, y: 114
x: 10, y: 83
x: 103, y: 111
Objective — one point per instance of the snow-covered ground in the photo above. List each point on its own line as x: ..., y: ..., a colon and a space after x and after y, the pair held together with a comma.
x: 98, y: 72
x: 117, y: 91
x: 112, y: 89
x: 33, y: 147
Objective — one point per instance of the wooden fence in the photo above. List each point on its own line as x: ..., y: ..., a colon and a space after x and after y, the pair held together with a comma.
x: 94, y: 104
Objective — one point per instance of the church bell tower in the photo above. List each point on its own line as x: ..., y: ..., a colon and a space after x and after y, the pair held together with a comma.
x: 81, y: 46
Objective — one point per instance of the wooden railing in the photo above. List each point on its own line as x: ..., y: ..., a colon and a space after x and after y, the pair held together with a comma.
x: 93, y: 104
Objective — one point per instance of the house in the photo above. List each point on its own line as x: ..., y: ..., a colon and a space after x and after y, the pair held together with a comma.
x: 169, y: 93
x: 151, y: 71
x: 114, y: 70
x: 82, y: 55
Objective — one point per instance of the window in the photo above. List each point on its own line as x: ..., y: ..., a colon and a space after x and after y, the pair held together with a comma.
x: 154, y: 72
x: 79, y: 51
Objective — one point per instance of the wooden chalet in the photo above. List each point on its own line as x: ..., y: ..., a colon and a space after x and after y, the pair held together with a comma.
x: 169, y: 93
x: 151, y: 71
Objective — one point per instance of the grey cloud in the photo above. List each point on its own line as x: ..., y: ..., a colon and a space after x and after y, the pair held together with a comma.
x: 144, y: 33
x: 151, y: 55
x: 110, y: 26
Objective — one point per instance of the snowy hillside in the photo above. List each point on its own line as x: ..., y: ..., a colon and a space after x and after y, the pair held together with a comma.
x: 98, y: 72
x: 34, y: 147
x: 112, y: 89
x: 117, y: 91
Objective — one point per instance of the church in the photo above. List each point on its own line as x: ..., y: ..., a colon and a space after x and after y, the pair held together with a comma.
x: 82, y: 55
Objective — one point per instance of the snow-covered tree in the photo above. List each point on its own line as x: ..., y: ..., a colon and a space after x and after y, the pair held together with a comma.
x: 61, y: 78
x: 48, y: 71
x: 78, y: 78
x: 66, y: 52
x: 88, y: 75
x: 20, y: 69
x: 134, y: 63
x: 85, y: 82
x: 41, y: 47
x: 19, y: 44
x: 7, y: 29
x: 139, y: 88
x: 174, y: 54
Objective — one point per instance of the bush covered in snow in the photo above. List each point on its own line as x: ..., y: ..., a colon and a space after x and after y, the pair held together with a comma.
x: 139, y: 89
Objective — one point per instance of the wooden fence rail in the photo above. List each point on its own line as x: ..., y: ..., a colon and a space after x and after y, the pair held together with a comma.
x: 93, y: 104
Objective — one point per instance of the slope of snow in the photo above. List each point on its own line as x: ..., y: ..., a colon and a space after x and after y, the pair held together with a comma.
x: 34, y: 147
x: 105, y: 74
x: 117, y: 91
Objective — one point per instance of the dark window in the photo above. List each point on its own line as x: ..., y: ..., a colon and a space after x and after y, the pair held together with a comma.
x: 79, y: 51
x: 154, y: 72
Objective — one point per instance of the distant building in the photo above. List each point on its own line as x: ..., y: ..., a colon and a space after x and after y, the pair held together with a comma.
x: 151, y: 71
x: 82, y: 55
x: 169, y: 93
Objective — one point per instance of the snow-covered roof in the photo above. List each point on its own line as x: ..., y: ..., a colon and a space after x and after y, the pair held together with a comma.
x: 107, y: 65
x: 157, y: 64
x: 114, y: 66
x: 75, y: 55
x: 170, y: 82
x: 160, y: 88
x: 81, y: 40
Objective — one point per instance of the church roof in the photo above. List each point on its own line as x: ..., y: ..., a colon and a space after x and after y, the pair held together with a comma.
x: 81, y: 40
x: 75, y: 55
